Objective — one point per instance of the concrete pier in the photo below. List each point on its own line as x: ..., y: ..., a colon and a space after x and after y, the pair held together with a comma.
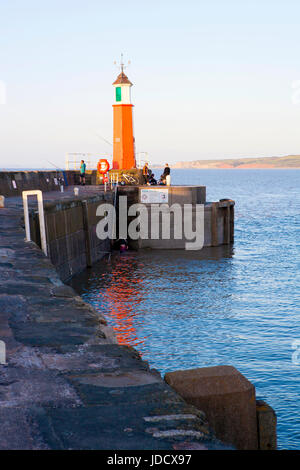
x: 72, y: 243
x: 66, y: 383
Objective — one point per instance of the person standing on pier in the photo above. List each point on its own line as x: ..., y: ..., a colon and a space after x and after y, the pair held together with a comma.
x: 165, y: 177
x: 82, y: 172
x: 145, y: 173
x: 167, y: 170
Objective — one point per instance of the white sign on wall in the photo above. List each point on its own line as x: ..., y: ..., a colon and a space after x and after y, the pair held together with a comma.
x: 154, y: 196
x: 2, y: 353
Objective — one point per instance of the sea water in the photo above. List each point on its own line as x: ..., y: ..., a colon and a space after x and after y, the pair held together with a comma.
x: 234, y: 305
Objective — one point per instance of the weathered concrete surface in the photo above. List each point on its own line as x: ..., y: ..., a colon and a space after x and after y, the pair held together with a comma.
x: 67, y: 384
x: 226, y: 397
x: 266, y: 423
x: 72, y: 242
x: 12, y: 183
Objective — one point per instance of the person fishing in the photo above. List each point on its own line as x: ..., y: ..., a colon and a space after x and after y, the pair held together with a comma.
x: 82, y: 172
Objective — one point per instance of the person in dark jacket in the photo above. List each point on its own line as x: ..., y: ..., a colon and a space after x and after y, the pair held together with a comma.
x: 166, y: 172
x: 152, y: 181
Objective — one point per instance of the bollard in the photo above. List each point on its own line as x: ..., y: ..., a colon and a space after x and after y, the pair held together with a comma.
x: 226, y: 397
x: 76, y: 191
x: 2, y: 201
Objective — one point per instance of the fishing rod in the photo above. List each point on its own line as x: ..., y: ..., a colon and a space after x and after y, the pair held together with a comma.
x: 102, y: 138
x: 60, y: 169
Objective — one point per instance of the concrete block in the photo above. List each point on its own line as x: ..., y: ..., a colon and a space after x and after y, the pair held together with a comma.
x: 62, y: 250
x: 53, y: 251
x: 201, y: 195
x: 266, y: 424
x: 214, y: 223
x: 60, y: 229
x: 207, y: 225
x: 64, y: 271
x: 218, y: 217
x: 93, y: 219
x: 77, y: 264
x: 221, y: 227
x: 50, y: 227
x: 73, y: 219
x: 226, y: 397
x: 74, y: 247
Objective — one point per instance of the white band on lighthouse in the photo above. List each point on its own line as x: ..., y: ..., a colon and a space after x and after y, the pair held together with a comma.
x: 122, y: 94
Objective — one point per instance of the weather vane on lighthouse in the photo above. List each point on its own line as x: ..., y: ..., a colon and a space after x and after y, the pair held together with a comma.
x: 123, y: 143
x: 122, y: 65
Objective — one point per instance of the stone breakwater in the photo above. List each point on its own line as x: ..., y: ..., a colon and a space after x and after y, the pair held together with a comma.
x: 12, y: 183
x: 66, y: 383
x: 72, y: 242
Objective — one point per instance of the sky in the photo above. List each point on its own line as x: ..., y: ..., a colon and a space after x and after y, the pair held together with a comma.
x: 212, y: 79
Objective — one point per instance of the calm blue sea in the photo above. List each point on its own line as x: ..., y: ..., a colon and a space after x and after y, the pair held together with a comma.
x: 235, y: 305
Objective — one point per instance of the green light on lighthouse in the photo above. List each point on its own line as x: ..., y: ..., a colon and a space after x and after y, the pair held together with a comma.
x: 118, y: 93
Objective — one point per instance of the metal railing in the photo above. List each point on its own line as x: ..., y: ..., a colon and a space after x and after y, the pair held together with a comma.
x: 141, y: 159
x: 113, y: 179
x: 73, y: 160
x: 39, y: 195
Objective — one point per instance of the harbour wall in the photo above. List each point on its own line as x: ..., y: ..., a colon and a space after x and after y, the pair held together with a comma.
x: 65, y: 383
x: 12, y: 183
x: 218, y: 216
x: 72, y: 243
x: 60, y: 348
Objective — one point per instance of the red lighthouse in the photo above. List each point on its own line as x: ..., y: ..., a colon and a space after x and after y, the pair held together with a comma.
x: 123, y: 144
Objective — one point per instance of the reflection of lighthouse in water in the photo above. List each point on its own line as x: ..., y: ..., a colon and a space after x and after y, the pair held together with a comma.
x: 120, y: 297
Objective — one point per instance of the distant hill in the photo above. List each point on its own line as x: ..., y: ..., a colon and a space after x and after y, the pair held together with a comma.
x: 290, y: 161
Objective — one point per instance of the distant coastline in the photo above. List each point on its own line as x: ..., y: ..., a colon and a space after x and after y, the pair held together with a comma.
x: 287, y: 162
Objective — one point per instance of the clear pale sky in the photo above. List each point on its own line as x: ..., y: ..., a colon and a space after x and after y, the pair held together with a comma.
x: 212, y: 79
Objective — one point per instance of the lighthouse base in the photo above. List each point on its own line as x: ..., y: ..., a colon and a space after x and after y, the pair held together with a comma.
x: 216, y: 227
